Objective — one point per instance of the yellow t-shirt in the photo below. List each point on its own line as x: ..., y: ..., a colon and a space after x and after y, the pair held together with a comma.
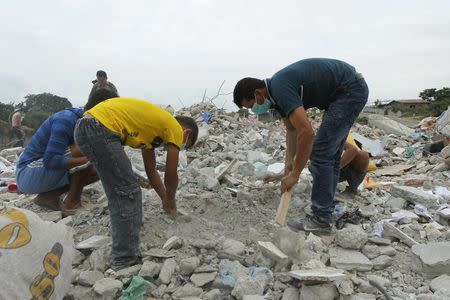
x: 139, y: 123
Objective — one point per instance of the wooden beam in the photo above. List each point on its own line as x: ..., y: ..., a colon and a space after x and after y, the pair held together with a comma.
x: 283, y: 207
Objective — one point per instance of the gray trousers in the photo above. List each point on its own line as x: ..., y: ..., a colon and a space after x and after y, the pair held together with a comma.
x: 104, y: 149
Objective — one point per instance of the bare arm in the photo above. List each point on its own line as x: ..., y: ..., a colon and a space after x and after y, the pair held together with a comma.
x: 305, y: 134
x: 155, y: 181
x: 291, y: 146
x: 171, y: 179
x: 349, y: 154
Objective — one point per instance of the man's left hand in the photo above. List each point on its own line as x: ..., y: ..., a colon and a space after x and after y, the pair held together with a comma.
x: 287, y: 182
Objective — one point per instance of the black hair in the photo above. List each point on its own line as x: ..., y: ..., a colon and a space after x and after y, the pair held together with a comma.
x: 99, y: 95
x: 101, y: 73
x: 245, y: 89
x: 190, y: 123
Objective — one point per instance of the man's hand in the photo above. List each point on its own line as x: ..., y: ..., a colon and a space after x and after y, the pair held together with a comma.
x: 287, y: 182
x: 170, y: 206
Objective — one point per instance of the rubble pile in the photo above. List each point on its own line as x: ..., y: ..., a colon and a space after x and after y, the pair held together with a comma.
x: 224, y: 243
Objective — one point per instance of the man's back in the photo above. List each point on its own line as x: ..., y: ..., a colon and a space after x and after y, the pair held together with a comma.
x: 52, y: 137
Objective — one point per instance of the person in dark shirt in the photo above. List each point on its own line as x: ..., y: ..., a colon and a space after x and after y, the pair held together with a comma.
x: 328, y: 84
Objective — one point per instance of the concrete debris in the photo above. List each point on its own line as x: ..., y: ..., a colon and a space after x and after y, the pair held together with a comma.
x: 108, y: 288
x: 349, y: 260
x: 352, y: 237
x: 94, y: 242
x: 415, y: 195
x: 434, y: 258
x: 441, y: 282
x: 173, y: 243
x: 201, y: 279
x: 167, y: 270
x: 150, y: 268
x: 324, y: 275
x: 213, y: 248
x: 320, y: 292
x: 89, y: 278
x: 272, y: 252
x: 246, y: 285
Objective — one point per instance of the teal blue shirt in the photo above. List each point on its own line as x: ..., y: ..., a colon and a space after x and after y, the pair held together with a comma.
x: 312, y: 82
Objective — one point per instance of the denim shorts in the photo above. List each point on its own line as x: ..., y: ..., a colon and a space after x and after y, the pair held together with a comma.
x: 33, y: 178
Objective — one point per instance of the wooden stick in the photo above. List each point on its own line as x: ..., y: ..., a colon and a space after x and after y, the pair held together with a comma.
x: 283, y: 207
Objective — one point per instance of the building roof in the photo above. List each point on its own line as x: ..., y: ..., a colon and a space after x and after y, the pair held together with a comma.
x: 411, y: 101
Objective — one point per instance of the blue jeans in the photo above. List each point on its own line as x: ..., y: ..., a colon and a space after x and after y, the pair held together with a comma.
x: 34, y: 178
x: 104, y: 149
x: 328, y: 144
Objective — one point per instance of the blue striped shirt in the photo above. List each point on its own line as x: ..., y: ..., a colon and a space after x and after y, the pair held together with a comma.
x: 51, y: 140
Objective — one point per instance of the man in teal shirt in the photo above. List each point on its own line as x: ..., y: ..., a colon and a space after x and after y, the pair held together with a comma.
x: 328, y: 84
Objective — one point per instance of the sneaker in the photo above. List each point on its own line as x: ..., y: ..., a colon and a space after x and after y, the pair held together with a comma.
x: 311, y: 224
x: 122, y: 265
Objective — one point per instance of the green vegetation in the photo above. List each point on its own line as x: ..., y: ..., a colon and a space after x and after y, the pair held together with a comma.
x: 439, y: 100
x: 37, y: 108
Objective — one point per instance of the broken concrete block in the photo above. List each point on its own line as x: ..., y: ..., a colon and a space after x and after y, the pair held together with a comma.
x: 254, y: 297
x: 361, y: 296
x: 68, y: 221
x: 388, y: 125
x: 290, y: 242
x: 414, y: 195
x: 213, y: 294
x: 372, y: 251
x: 290, y: 294
x: 381, y: 262
x: 173, y: 243
x: 440, y: 282
x: 89, y: 278
x: 128, y: 272
x: 94, y: 242
x: 326, y: 291
x: 52, y: 216
x: 99, y: 259
x: 150, y: 268
x: 246, y: 285
x: 323, y: 275
x: 188, y: 265
x: 351, y: 237
x: 349, y: 260
x: 167, y: 270
x: 108, y: 288
x: 390, y: 230
x: 188, y: 290
x: 434, y: 258
x: 230, y: 246
x: 272, y: 252
x: 201, y: 279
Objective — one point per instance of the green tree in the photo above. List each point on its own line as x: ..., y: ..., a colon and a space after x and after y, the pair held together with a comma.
x: 46, y: 102
x: 5, y: 111
x: 440, y: 99
x: 427, y: 94
x: 34, y: 118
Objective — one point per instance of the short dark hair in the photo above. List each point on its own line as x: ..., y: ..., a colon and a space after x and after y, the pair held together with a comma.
x: 245, y: 89
x: 101, y: 73
x: 190, y: 123
x: 100, y: 95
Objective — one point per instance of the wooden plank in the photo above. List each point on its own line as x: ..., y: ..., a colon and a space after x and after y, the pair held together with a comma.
x: 283, y: 207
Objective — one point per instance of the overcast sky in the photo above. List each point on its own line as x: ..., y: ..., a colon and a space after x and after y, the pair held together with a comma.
x: 163, y: 51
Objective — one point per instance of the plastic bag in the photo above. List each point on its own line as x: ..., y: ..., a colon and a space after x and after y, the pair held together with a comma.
x: 35, y: 256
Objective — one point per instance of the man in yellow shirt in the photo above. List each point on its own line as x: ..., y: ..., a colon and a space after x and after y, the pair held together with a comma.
x: 101, y: 134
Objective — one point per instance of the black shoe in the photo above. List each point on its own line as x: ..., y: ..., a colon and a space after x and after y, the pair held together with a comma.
x: 311, y: 224
x: 122, y: 265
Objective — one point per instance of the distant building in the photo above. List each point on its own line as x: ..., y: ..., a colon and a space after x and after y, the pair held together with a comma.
x: 399, y: 107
